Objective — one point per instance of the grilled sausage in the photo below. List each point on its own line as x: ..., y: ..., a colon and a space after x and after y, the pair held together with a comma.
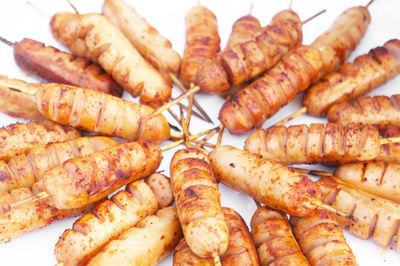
x: 274, y: 239
x: 244, y: 29
x: 351, y: 26
x: 249, y: 59
x: 20, y: 138
x: 241, y: 250
x: 93, y: 36
x: 371, y: 215
x: 202, y: 42
x: 266, y: 181
x: 101, y: 113
x: 321, y: 239
x: 15, y: 104
x: 53, y: 65
x: 366, y: 73
x: 198, y: 201
x: 111, y: 218
x: 151, y: 240
x: 83, y: 180
x: 251, y: 106
x: 29, y: 217
x: 377, y: 178
x: 317, y: 143
x: 156, y: 49
x: 377, y: 110
x: 25, y: 169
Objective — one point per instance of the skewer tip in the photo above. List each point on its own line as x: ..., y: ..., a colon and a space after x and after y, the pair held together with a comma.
x: 369, y: 3
x: 313, y: 16
x: 216, y: 259
x: 10, y: 43
x: 389, y: 140
x: 251, y: 8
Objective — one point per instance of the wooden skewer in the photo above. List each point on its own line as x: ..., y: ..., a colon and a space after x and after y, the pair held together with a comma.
x: 220, y: 133
x: 191, y: 138
x: 40, y: 196
x: 10, y: 43
x: 312, y: 172
x: 322, y: 205
x: 189, y: 113
x: 173, y: 115
x: 73, y: 7
x: 257, y: 204
x: 185, y: 130
x: 176, y: 81
x: 389, y: 140
x: 37, y: 9
x: 216, y: 259
x: 369, y: 3
x: 302, y: 110
x: 290, y: 4
x: 200, y: 143
x: 313, y: 17
x: 169, y: 104
x: 203, y: 142
x: 184, y: 107
x: 251, y: 8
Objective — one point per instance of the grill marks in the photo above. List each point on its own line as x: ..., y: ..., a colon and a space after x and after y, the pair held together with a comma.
x: 351, y: 80
x: 326, y: 143
x: 273, y: 238
x: 321, y: 239
x: 243, y: 61
x: 371, y: 214
x: 265, y: 96
x: 377, y: 110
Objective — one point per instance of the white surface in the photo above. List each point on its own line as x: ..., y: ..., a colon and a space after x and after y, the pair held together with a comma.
x: 18, y: 20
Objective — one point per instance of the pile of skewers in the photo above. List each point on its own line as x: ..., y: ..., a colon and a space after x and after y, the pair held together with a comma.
x: 51, y: 169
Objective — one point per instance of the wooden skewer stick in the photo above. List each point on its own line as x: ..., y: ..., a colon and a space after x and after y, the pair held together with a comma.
x: 203, y: 142
x: 10, y: 43
x: 216, y: 259
x: 290, y: 4
x: 389, y: 140
x: 313, y: 17
x: 176, y: 81
x: 40, y: 196
x: 301, y: 111
x: 200, y: 143
x: 169, y: 104
x: 369, y: 3
x: 184, y: 107
x: 185, y: 130
x: 322, y: 205
x: 29, y: 90
x: 220, y: 133
x: 173, y: 115
x: 189, y: 113
x: 312, y: 172
x: 37, y: 9
x: 191, y: 138
x: 73, y: 7
x: 251, y: 8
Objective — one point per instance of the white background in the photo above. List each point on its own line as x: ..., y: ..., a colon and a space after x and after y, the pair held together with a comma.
x: 18, y: 20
